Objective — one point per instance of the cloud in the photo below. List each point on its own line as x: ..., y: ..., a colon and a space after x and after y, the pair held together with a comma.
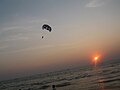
x: 3, y: 47
x: 45, y: 47
x: 37, y: 21
x: 11, y: 28
x: 16, y: 39
x: 29, y: 49
x: 97, y: 3
x: 23, y: 24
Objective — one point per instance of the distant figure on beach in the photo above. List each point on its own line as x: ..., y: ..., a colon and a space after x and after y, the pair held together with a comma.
x: 53, y: 87
x: 42, y: 37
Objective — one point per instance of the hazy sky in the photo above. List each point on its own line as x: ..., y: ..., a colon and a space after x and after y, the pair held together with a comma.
x: 81, y: 29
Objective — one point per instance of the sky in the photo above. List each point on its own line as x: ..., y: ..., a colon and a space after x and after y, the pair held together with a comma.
x: 80, y: 30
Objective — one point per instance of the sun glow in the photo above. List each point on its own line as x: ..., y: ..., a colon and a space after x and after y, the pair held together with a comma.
x: 96, y: 59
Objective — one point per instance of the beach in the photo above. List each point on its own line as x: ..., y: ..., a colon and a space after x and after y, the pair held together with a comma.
x: 105, y: 77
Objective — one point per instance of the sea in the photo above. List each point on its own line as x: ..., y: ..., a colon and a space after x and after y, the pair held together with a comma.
x: 102, y: 77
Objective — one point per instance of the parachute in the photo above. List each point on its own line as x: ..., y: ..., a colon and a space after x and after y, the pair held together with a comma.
x: 46, y: 27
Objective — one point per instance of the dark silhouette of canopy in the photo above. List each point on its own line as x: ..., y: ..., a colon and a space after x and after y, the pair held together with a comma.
x: 47, y: 27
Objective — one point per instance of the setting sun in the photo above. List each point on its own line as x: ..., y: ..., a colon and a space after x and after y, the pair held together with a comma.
x: 96, y: 58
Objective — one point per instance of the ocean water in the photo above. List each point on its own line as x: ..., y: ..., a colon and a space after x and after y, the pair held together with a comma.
x: 104, y: 77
